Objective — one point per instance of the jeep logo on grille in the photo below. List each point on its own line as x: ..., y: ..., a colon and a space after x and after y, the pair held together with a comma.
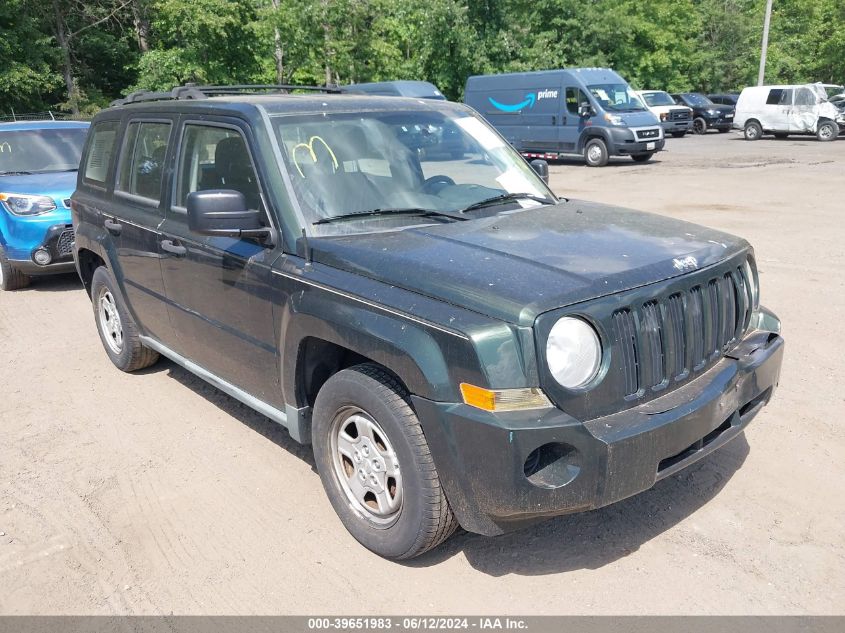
x: 685, y: 264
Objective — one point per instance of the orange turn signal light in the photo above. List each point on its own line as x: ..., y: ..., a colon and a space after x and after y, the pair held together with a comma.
x: 504, y: 399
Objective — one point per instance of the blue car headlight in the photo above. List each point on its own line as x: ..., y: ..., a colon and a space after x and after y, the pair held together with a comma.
x: 26, y: 204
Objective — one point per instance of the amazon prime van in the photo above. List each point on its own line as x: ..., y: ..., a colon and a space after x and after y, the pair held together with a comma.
x: 548, y: 114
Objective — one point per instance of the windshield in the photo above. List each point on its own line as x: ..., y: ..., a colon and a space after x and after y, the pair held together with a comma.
x: 695, y: 99
x: 658, y: 99
x: 394, y: 162
x: 41, y: 151
x: 616, y: 97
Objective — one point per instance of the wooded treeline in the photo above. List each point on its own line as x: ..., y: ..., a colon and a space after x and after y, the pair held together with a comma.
x: 77, y: 55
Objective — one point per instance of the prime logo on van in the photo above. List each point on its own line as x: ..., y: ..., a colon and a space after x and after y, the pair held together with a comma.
x: 527, y: 103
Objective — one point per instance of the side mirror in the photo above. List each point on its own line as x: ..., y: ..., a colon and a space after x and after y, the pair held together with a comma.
x: 223, y: 213
x: 542, y: 169
x: 585, y: 109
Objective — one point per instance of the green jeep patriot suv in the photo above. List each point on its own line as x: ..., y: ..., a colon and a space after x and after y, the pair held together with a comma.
x: 389, y: 280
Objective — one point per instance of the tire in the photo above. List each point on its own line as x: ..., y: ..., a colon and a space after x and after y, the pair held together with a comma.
x: 642, y: 158
x: 595, y: 153
x: 753, y: 131
x: 781, y: 135
x: 828, y: 131
x: 365, y: 410
x: 118, y: 332
x: 10, y: 277
x: 699, y: 126
x: 679, y: 134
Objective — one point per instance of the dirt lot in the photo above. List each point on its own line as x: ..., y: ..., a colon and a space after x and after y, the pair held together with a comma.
x: 156, y: 494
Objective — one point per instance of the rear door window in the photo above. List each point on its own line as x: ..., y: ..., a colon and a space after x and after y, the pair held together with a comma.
x: 99, y: 152
x: 780, y: 96
x: 142, y: 159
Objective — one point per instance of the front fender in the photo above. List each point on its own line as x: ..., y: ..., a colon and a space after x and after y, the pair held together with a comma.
x: 430, y: 361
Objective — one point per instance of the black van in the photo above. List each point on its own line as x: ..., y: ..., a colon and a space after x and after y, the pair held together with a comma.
x: 551, y: 113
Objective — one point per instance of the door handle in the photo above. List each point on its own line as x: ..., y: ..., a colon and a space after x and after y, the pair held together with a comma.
x: 113, y: 227
x: 176, y: 249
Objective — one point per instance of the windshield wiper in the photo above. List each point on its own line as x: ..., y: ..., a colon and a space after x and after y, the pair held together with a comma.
x: 388, y: 211
x: 15, y: 173
x: 506, y: 197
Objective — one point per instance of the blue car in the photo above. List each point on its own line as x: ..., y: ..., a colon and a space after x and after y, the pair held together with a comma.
x: 38, y: 165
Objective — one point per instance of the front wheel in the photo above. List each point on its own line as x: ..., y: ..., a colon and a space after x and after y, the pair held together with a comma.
x: 699, y: 126
x: 642, y: 158
x: 376, y: 466
x: 828, y: 131
x: 117, y: 329
x: 753, y: 131
x: 10, y: 277
x: 595, y: 153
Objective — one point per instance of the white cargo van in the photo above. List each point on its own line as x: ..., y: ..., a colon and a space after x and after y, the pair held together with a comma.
x: 785, y: 110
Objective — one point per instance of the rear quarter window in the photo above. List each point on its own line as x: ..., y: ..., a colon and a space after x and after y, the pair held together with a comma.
x: 99, y: 152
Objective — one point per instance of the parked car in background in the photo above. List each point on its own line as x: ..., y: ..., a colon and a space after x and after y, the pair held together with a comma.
x: 458, y: 345
x: 38, y: 164
x: 725, y: 98
x: 401, y: 88
x: 788, y: 109
x: 676, y: 120
x: 591, y: 112
x: 706, y: 114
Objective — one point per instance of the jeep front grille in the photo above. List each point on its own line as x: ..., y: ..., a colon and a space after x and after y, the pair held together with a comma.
x: 664, y: 340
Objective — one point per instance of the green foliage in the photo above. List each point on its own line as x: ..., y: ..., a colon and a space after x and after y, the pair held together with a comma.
x: 119, y: 45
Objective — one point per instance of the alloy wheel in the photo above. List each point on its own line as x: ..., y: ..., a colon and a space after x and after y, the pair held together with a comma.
x: 366, y: 466
x: 110, y: 324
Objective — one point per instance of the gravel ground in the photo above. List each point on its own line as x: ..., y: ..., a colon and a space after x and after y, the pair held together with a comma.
x: 155, y: 494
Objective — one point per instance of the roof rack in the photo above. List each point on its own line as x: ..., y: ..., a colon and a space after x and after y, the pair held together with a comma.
x: 193, y: 91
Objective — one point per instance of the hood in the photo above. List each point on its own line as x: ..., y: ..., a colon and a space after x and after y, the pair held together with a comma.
x: 58, y: 185
x: 638, y: 119
x: 516, y: 266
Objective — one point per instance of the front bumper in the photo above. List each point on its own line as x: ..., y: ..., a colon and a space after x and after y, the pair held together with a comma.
x: 719, y: 123
x: 481, y: 457
x: 676, y: 126
x: 56, y: 239
x: 624, y: 142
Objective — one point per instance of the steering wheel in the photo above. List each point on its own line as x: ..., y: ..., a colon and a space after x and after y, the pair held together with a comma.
x: 430, y: 184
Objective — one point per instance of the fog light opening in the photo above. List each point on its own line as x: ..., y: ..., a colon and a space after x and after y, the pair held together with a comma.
x: 552, y: 465
x: 42, y: 257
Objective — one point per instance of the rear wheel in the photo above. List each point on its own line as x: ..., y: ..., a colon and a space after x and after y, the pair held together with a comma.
x: 376, y: 466
x: 753, y: 131
x: 699, y: 126
x: 642, y: 158
x: 595, y: 153
x: 828, y: 131
x: 117, y: 330
x: 10, y: 277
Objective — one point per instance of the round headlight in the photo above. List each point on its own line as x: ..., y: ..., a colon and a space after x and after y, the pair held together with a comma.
x: 573, y: 352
